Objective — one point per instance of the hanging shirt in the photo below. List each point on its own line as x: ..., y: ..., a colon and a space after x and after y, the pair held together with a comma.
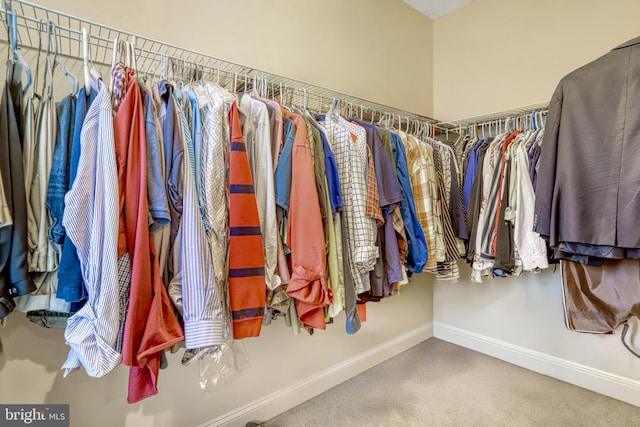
x: 390, y: 196
x: 417, y: 257
x: 151, y: 325
x: 47, y: 207
x: 333, y: 197
x: 159, y: 214
x: 419, y: 178
x: 282, y: 177
x: 14, y: 280
x: 247, y: 292
x: 305, y: 234
x: 42, y: 254
x: 173, y: 155
x: 91, y: 221
x: 351, y: 158
x: 276, y: 126
x: 333, y: 178
x: 59, y: 176
x: 197, y: 137
x: 319, y: 172
x: 531, y: 247
x: 257, y: 135
x: 202, y: 302
x: 71, y: 287
x: 214, y: 104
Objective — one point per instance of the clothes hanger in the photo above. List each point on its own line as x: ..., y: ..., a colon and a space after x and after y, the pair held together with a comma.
x: 13, y: 38
x: 165, y: 66
x: 49, y: 63
x: 34, y: 86
x: 335, y: 108
x: 56, y: 61
x: 113, y: 62
x: 132, y: 53
x: 304, y: 99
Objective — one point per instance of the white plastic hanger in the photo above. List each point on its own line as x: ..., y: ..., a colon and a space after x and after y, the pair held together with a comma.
x: 56, y: 61
x: 13, y: 38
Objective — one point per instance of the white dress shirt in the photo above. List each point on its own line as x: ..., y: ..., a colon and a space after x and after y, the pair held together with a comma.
x: 91, y: 220
x: 257, y: 137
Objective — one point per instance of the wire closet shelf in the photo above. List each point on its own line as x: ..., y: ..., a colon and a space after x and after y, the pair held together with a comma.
x: 160, y: 58
x: 522, y: 116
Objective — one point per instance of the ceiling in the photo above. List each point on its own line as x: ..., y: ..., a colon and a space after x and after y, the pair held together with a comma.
x: 434, y: 9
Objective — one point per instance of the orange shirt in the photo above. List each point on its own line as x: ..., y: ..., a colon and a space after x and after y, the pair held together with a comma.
x: 305, y: 234
x: 151, y: 324
x: 247, y: 287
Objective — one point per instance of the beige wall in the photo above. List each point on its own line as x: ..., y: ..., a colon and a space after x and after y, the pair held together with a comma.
x: 30, y: 369
x: 379, y: 50
x: 493, y: 55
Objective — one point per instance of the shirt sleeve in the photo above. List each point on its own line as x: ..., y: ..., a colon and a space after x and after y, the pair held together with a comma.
x: 306, y: 237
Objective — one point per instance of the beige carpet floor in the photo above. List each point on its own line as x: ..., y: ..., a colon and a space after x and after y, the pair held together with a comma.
x: 440, y: 384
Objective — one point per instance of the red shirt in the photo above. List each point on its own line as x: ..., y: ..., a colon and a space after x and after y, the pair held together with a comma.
x: 151, y: 324
x: 305, y: 233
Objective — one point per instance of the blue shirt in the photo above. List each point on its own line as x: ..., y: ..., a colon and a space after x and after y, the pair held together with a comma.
x: 173, y: 155
x: 70, y: 284
x: 156, y: 193
x: 196, y: 137
x: 470, y: 174
x: 59, y: 175
x: 282, y: 176
x: 417, y: 257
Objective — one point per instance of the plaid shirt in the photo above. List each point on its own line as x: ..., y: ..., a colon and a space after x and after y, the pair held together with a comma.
x: 401, y: 235
x: 373, y: 194
x: 349, y: 146
x: 421, y: 174
x: 451, y: 242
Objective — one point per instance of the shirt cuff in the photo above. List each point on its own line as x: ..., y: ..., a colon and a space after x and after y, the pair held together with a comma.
x: 365, y: 258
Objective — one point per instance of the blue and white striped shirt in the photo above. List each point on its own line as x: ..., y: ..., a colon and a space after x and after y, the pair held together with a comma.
x: 201, y: 302
x: 91, y: 220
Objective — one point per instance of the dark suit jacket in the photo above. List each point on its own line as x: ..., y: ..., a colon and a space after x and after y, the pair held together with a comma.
x: 588, y: 188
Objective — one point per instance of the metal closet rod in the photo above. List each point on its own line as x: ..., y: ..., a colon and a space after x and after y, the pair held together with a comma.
x: 31, y: 21
x: 493, y: 118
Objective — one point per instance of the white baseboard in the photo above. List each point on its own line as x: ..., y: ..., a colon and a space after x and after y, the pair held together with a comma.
x: 621, y: 388
x: 286, y: 398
